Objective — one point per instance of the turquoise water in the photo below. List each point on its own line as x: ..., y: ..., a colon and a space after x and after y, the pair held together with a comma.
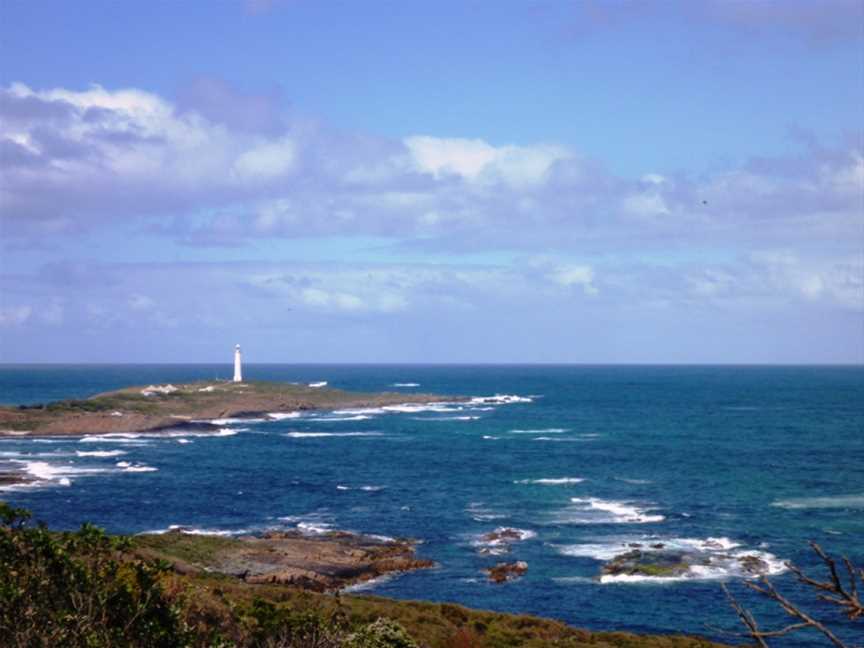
x: 719, y: 460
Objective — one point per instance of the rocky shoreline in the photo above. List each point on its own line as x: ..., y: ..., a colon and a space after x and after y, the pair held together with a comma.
x: 321, y: 563
x: 196, y: 405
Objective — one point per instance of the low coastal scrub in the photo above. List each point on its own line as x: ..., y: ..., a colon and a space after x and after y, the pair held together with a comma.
x: 88, y: 589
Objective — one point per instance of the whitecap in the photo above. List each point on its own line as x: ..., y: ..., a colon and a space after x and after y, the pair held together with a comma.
x: 551, y: 481
x: 489, y: 437
x: 839, y: 501
x: 445, y: 418
x: 313, y: 435
x: 100, y: 453
x: 232, y: 421
x: 372, y: 489
x: 330, y: 419
x: 114, y: 437
x: 182, y: 528
x: 541, y: 431
x: 593, y: 510
x: 500, y: 399
x: 279, y: 416
x: 47, y: 474
x: 140, y: 468
x: 320, y: 383
x: 414, y: 408
x: 406, y: 384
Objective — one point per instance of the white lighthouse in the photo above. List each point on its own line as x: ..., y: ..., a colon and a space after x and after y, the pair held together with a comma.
x: 238, y: 372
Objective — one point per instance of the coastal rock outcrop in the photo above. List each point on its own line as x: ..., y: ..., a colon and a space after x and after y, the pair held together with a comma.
x: 659, y: 562
x: 320, y: 563
x: 503, y: 572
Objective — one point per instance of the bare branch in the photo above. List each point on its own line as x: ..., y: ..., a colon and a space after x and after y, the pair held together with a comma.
x: 833, y: 591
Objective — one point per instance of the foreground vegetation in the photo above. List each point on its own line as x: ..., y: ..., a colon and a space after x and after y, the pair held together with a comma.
x: 89, y: 589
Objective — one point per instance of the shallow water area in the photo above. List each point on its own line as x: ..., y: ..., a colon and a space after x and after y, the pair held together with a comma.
x: 582, y: 462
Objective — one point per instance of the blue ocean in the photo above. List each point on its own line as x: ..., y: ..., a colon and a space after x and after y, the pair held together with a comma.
x: 580, y: 462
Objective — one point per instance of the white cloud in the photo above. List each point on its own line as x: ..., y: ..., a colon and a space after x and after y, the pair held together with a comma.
x: 15, y: 315
x: 575, y: 275
x: 267, y: 161
x: 477, y: 160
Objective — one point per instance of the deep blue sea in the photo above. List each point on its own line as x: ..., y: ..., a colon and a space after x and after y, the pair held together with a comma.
x: 580, y: 460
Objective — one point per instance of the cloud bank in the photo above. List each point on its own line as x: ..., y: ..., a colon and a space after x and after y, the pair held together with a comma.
x: 774, y: 238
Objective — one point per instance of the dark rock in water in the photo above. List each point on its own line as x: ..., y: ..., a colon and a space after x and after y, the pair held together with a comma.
x: 753, y: 565
x: 503, y: 535
x: 649, y: 563
x: 11, y: 478
x: 635, y: 545
x: 503, y: 572
x: 660, y: 562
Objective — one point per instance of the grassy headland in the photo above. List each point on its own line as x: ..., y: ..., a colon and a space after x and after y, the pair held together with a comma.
x: 159, y: 407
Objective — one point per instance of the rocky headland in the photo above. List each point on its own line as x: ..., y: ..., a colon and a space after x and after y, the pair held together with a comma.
x: 193, y: 405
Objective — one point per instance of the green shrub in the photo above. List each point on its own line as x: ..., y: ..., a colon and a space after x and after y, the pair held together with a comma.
x: 73, y: 589
x: 382, y: 633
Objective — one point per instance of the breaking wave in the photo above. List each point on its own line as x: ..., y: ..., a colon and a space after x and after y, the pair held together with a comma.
x: 551, y: 481
x: 705, y: 558
x: 593, y: 510
x: 839, y: 501
x: 313, y: 435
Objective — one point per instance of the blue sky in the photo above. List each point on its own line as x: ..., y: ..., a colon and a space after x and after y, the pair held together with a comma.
x: 432, y: 182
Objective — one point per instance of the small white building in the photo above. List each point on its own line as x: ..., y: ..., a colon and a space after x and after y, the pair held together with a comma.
x: 238, y: 369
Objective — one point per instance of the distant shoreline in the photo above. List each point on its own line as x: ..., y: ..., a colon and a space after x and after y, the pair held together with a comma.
x: 198, y: 405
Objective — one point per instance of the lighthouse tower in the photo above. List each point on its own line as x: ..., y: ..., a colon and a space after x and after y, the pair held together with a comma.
x: 238, y: 373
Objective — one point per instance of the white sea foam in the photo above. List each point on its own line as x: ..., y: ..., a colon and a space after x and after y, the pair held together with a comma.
x: 320, y: 383
x: 593, y: 510
x: 314, y: 528
x: 717, y: 558
x: 342, y: 488
x: 541, y: 431
x: 839, y: 501
x: 233, y: 421
x: 489, y: 437
x: 100, y: 453
x: 114, y: 437
x: 47, y: 474
x: 183, y: 441
x: 182, y: 528
x: 371, y: 489
x: 552, y: 481
x: 140, y: 468
x: 500, y: 399
x: 279, y: 416
x: 501, y: 539
x: 330, y: 419
x: 634, y: 481
x: 414, y: 408
x: 480, y: 513
x: 406, y: 384
x: 445, y: 418
x: 313, y: 435
x: 365, y: 586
